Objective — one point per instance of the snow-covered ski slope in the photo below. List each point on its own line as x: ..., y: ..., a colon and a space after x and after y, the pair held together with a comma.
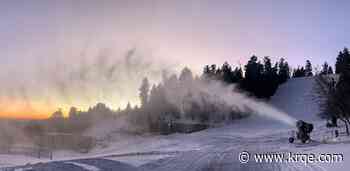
x: 297, y: 98
x: 219, y: 148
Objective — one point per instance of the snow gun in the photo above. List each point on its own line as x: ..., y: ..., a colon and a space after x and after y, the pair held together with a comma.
x: 304, y: 130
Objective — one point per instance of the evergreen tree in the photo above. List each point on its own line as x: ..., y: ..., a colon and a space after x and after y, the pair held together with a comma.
x: 227, y: 75
x: 237, y: 75
x: 128, y: 108
x: 269, y: 81
x: 253, y: 76
x: 283, y: 72
x: 339, y: 63
x: 325, y: 68
x: 144, y: 90
x: 57, y: 121
x: 213, y: 71
x: 299, y: 72
x: 330, y: 70
x: 275, y: 70
x: 73, y: 113
x: 267, y: 65
x: 207, y: 72
x: 260, y: 79
x: 343, y: 60
x: 308, y: 69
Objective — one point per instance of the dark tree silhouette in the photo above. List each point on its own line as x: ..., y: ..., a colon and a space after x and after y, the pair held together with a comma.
x: 284, y: 71
x: 270, y: 78
x: 343, y: 60
x: 237, y: 75
x: 330, y: 70
x: 144, y: 90
x: 253, y: 75
x: 299, y: 72
x: 227, y: 75
x: 261, y: 78
x: 308, y: 69
x: 325, y: 68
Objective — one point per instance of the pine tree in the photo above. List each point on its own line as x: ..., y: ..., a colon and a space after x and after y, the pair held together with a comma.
x: 339, y: 63
x: 144, y: 90
x: 237, y: 75
x: 308, y: 69
x: 343, y: 61
x: 267, y: 65
x: 299, y: 72
x: 128, y: 107
x: 226, y: 73
x: 330, y: 70
x: 325, y: 68
x: 253, y: 76
x: 213, y: 71
x: 206, y: 72
x: 283, y: 72
x: 269, y: 81
x: 73, y: 113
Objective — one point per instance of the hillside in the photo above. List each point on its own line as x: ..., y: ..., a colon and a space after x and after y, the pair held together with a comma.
x: 296, y: 97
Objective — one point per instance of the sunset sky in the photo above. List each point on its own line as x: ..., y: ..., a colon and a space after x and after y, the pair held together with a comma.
x: 44, y: 45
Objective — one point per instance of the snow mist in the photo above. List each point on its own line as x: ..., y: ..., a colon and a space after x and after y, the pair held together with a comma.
x: 217, y: 92
x: 104, y: 76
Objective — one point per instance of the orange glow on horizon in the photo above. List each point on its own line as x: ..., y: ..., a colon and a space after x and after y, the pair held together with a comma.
x: 24, y: 115
x: 17, y: 109
x: 11, y: 108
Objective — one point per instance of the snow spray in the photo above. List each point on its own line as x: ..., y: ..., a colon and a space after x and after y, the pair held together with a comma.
x: 218, y: 92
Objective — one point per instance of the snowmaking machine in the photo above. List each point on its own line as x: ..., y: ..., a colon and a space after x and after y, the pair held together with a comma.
x: 303, y: 133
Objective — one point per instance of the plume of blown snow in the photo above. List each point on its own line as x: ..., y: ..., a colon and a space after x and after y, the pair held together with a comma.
x: 217, y: 92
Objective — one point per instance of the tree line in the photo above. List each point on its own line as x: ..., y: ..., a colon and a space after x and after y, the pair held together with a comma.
x: 334, y: 92
x: 261, y: 78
